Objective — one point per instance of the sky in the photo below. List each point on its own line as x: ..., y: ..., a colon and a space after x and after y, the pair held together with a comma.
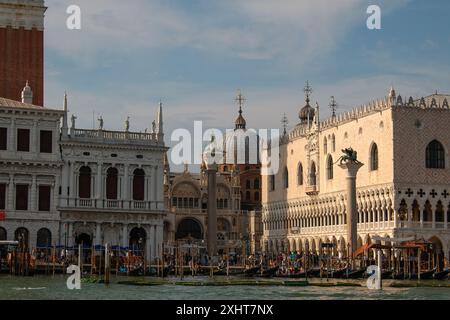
x: 194, y: 55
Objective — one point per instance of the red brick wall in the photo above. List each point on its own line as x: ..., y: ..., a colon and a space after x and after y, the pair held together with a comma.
x: 21, y: 59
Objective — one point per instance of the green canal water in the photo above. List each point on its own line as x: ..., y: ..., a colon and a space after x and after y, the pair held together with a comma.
x: 54, y: 288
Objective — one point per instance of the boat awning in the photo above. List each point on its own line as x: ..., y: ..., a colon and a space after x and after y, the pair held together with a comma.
x: 368, y: 246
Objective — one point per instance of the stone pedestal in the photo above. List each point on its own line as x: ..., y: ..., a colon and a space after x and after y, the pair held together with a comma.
x: 212, y: 210
x: 351, y: 169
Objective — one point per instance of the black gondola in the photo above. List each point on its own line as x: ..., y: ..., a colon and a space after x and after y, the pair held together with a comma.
x: 251, y: 271
x: 341, y: 273
x: 387, y: 274
x: 356, y: 274
x: 269, y: 272
x: 398, y: 276
x: 441, y: 275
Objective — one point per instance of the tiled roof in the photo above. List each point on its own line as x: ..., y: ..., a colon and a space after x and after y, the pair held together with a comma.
x: 17, y: 104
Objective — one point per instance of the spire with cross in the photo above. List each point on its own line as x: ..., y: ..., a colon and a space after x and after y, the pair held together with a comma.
x: 333, y: 106
x: 284, y: 123
x: 240, y: 122
x: 308, y: 91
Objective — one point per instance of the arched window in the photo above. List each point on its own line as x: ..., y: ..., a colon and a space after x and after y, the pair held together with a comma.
x: 256, y: 196
x: 256, y: 184
x: 139, y: 185
x: 286, y: 178
x: 374, y: 157
x: 3, y: 234
x: 247, y: 184
x: 333, y: 143
x: 325, y: 145
x: 312, y: 176
x: 247, y: 196
x: 84, y: 183
x: 44, y: 238
x: 111, y: 183
x: 272, y: 182
x: 300, y: 174
x: 22, y: 235
x: 435, y: 156
x: 330, y: 167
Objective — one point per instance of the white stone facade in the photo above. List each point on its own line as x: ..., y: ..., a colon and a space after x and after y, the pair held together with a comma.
x: 304, y: 203
x: 120, y: 201
x: 27, y: 14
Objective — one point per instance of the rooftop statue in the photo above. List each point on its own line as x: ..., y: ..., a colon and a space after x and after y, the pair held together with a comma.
x: 349, y: 155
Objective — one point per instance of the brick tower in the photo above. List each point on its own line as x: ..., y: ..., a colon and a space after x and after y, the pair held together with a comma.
x: 22, y: 48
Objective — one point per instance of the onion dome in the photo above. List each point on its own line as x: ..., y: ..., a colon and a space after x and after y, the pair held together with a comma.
x: 306, y: 113
x: 240, y: 122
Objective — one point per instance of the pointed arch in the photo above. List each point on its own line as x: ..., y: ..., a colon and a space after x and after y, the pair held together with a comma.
x: 330, y: 171
x: 286, y: 178
x: 313, y: 174
x: 300, y: 174
x: 373, y: 157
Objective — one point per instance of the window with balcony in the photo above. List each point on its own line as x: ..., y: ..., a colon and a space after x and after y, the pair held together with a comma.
x: 3, y: 139
x: 139, y: 185
x: 23, y: 140
x: 84, y: 183
x: 111, y: 183
x: 21, y: 197
x: 44, y: 198
x: 46, y: 141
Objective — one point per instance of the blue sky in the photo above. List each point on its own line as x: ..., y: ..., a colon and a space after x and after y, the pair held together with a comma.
x: 195, y: 54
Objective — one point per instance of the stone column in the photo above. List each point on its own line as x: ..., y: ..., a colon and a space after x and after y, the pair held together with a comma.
x: 72, y: 184
x: 70, y: 239
x: 351, y: 169
x: 125, y: 235
x: 151, y: 242
x: 212, y: 209
x: 33, y: 198
x: 12, y: 136
x: 159, y: 240
x: 98, y: 191
x: 98, y: 234
x: 35, y: 139
x: 10, y: 205
x: 125, y: 187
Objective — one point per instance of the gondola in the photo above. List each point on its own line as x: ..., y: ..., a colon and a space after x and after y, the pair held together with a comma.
x: 314, y: 273
x: 441, y: 275
x: 251, y: 271
x: 426, y: 275
x: 340, y: 273
x: 356, y: 274
x: 398, y: 276
x: 386, y: 274
x: 269, y: 272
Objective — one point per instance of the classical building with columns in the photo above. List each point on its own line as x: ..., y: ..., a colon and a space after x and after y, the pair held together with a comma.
x: 30, y: 170
x: 112, y: 186
x: 70, y: 186
x: 402, y: 190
